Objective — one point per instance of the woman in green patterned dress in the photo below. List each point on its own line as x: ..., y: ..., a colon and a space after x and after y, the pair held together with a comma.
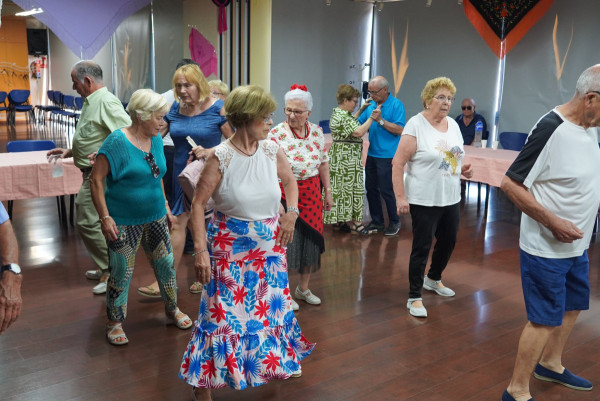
x: 345, y: 162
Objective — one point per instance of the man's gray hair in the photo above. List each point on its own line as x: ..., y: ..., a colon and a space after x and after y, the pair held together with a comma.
x: 381, y: 81
x: 589, y: 80
x: 88, y: 68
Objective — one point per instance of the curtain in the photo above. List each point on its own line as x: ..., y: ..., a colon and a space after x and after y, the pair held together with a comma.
x: 132, y: 55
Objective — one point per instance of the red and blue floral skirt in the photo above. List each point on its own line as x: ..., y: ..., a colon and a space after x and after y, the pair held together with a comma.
x: 246, y: 333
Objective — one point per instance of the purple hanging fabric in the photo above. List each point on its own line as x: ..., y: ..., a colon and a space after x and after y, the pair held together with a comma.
x: 84, y: 27
x: 222, y: 22
x: 203, y: 53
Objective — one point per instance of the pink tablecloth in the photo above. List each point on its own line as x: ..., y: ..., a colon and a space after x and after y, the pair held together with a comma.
x: 27, y: 175
x: 489, y: 165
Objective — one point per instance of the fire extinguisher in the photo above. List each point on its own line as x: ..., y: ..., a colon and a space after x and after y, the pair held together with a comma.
x: 36, y: 70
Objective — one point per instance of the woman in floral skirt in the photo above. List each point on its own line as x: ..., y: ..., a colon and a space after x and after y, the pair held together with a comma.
x: 246, y: 333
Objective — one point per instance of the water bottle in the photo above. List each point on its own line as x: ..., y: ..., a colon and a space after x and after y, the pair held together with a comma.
x: 478, y: 134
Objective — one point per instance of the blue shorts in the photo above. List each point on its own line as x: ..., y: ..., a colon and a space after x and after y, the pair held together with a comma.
x: 553, y: 286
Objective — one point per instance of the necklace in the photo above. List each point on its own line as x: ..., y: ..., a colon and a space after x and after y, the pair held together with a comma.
x: 138, y: 144
x: 298, y: 136
x: 235, y: 146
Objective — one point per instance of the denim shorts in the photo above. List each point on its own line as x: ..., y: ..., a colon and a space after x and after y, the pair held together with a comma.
x: 553, y: 286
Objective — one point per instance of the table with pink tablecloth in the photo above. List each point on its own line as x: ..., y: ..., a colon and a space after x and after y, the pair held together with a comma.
x: 26, y: 175
x: 489, y: 165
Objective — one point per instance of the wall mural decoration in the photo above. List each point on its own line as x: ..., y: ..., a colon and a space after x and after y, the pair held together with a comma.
x: 222, y: 25
x: 203, y: 53
x: 399, y: 68
x: 503, y: 23
x: 560, y: 65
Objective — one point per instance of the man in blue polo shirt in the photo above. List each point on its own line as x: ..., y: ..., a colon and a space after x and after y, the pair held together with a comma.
x: 384, y: 136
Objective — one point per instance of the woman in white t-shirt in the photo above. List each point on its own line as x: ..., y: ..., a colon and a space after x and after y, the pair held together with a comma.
x: 432, y: 150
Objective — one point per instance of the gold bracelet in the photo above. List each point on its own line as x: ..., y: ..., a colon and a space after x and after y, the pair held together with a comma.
x: 199, y: 252
x: 328, y: 189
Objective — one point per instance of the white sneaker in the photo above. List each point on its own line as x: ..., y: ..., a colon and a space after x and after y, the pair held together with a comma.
x: 93, y: 274
x: 307, y: 296
x: 100, y: 288
x: 433, y: 285
x: 418, y: 312
x: 298, y: 372
x: 294, y: 304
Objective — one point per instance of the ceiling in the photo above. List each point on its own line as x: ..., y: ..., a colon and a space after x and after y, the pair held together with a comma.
x: 10, y: 8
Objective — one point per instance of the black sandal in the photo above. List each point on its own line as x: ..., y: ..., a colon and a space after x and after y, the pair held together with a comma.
x: 356, y: 228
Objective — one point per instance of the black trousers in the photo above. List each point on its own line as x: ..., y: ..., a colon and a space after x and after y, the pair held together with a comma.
x: 427, y: 222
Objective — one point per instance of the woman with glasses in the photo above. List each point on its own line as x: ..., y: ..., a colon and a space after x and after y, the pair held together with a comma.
x: 246, y: 333
x: 201, y: 117
x: 345, y: 162
x: 218, y: 89
x: 133, y: 210
x: 304, y: 145
x: 432, y: 149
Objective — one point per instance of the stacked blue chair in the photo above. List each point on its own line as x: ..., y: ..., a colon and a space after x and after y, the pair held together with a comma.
x: 19, y: 103
x: 512, y: 140
x: 42, y: 110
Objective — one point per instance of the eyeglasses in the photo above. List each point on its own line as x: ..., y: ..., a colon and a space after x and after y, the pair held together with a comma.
x: 216, y: 93
x: 596, y: 92
x: 150, y: 159
x: 375, y: 92
x: 354, y: 100
x: 269, y: 118
x: 443, y: 98
x: 466, y: 107
x: 296, y: 112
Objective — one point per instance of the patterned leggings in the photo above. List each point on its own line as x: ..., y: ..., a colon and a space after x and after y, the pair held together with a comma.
x: 156, y: 241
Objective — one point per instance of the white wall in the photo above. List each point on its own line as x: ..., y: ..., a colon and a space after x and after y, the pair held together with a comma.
x: 62, y: 60
x: 315, y: 44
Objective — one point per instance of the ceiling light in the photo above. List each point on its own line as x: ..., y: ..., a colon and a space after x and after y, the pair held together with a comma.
x: 30, y: 12
x: 379, y: 6
x: 328, y: 2
x: 428, y: 3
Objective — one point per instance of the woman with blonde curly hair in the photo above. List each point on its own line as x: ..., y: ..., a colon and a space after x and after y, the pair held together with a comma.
x: 432, y: 147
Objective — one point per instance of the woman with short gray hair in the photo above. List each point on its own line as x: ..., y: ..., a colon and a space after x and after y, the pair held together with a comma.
x: 133, y: 211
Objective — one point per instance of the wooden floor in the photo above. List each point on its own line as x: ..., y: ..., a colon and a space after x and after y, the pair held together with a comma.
x: 368, y: 346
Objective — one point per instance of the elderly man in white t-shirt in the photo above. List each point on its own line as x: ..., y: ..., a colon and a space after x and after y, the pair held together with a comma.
x: 555, y: 181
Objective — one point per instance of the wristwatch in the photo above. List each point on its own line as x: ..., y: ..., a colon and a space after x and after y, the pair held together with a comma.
x: 13, y: 267
x: 381, y: 122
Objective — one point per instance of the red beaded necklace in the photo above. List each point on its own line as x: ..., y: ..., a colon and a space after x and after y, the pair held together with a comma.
x: 298, y: 136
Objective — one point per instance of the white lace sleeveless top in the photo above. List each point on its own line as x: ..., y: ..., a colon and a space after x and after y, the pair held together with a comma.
x: 249, y: 189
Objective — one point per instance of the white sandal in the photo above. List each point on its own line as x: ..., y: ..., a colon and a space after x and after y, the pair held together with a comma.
x: 180, y: 323
x: 112, y: 338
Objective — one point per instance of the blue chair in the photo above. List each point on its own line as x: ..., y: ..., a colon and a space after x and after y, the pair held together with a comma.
x: 42, y: 110
x: 512, y: 140
x: 29, y: 146
x: 3, y: 106
x: 324, y: 124
x: 18, y: 101
x: 36, y: 145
